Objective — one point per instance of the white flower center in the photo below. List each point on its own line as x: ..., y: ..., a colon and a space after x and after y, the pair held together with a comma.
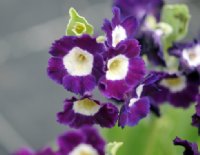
x: 118, y: 34
x: 192, y: 56
x: 139, y: 90
x: 174, y: 84
x: 84, y: 149
x: 78, y: 62
x: 86, y: 107
x: 117, y: 67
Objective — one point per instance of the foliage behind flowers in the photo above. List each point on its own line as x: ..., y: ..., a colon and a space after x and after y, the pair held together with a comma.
x: 139, y: 65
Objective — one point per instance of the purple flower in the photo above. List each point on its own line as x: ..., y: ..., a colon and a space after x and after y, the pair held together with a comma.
x: 135, y: 109
x: 83, y: 141
x: 124, y: 69
x: 196, y: 116
x: 152, y: 47
x: 26, y: 151
x: 118, y: 30
x: 139, y: 104
x: 139, y: 8
x: 178, y: 89
x: 188, y: 55
x: 77, y: 63
x: 190, y: 148
x: 87, y: 111
x: 77, y: 142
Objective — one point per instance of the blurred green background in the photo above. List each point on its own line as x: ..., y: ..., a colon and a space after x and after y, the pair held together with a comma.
x: 154, y: 136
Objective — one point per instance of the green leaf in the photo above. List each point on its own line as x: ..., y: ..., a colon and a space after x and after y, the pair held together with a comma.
x: 153, y: 135
x: 112, y: 148
x: 78, y: 25
x: 178, y: 17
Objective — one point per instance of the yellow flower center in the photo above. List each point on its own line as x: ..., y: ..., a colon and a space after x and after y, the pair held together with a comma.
x: 79, y: 28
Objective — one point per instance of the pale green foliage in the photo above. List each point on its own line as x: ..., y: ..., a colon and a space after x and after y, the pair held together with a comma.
x: 78, y: 25
x: 178, y: 16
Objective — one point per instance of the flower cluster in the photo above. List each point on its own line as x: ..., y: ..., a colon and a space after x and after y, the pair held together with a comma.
x: 139, y: 64
x: 115, y: 66
x: 85, y: 141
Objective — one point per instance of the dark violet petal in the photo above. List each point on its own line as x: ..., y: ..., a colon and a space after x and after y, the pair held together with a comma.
x: 136, y: 71
x: 107, y: 115
x: 116, y: 17
x: 131, y: 115
x: 130, y: 48
x: 113, y: 89
x: 93, y: 138
x: 196, y: 116
x: 67, y: 116
x: 107, y: 28
x: 130, y: 24
x: 153, y: 77
x: 68, y: 141
x: 184, y: 98
x: 62, y: 46
x: 89, y: 44
x: 158, y: 94
x: 79, y: 84
x: 56, y: 70
x: 98, y: 66
x: 151, y: 46
x: 190, y: 148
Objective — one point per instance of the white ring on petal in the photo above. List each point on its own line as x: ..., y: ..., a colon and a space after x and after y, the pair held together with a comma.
x: 78, y: 62
x: 118, y: 34
x: 139, y: 91
x: 192, y: 56
x: 117, y: 67
x: 86, y: 107
x: 174, y: 84
x: 84, y: 149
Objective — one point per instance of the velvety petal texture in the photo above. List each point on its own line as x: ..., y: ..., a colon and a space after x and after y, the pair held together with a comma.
x: 76, y: 63
x: 118, y: 30
x: 139, y: 8
x: 87, y: 111
x: 196, y: 116
x: 190, y: 148
x: 124, y: 70
x: 84, y: 141
x: 130, y: 115
x: 188, y: 55
x: 78, y: 139
x: 179, y: 90
x: 152, y: 47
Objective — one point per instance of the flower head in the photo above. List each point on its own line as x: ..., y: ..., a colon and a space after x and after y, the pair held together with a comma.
x: 135, y: 109
x: 77, y: 63
x: 118, y: 30
x: 85, y: 141
x: 152, y: 47
x: 124, y: 69
x: 87, y: 111
x: 179, y: 90
x: 188, y: 54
